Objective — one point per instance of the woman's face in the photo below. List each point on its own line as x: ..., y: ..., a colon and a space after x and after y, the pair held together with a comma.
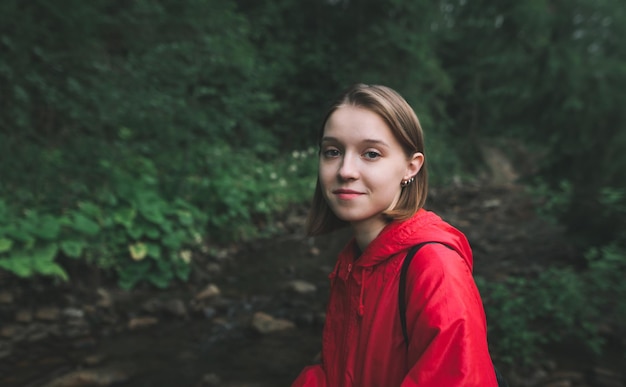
x: 361, y: 167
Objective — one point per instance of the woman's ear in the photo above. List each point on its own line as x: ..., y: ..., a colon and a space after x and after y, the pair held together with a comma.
x: 415, y: 164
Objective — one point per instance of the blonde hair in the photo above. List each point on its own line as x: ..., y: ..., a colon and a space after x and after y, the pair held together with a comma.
x: 405, y: 126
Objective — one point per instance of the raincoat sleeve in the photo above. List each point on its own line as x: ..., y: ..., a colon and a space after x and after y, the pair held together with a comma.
x: 311, y: 376
x: 445, y: 323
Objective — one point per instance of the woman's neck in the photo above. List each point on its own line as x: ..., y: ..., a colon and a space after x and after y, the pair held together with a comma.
x: 366, y: 232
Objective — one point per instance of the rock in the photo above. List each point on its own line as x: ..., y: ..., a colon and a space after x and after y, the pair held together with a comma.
x: 573, y: 376
x: 10, y: 331
x: 221, y: 254
x: 6, y: 297
x: 301, y: 287
x: 36, y: 332
x: 92, y: 377
x: 84, y: 342
x: 563, y: 378
x: 142, y: 322
x: 93, y: 360
x: 76, y: 328
x: 492, y: 203
x: 210, y: 380
x: 18, y: 334
x: 175, y: 307
x: 105, y: 300
x: 73, y: 313
x: 6, y: 349
x: 560, y: 383
x: 24, y: 316
x: 213, y: 268
x: 222, y: 323
x: 90, y: 310
x: 209, y: 292
x: 264, y: 323
x: 153, y: 305
x: 48, y: 313
x: 209, y: 312
x: 603, y: 377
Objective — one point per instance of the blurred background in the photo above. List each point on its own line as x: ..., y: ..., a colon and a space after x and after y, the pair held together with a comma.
x: 157, y: 158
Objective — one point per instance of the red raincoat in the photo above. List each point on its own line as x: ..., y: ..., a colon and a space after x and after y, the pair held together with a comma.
x: 363, y: 343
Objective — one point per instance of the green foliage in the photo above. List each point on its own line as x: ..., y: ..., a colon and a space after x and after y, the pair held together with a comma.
x: 134, y: 135
x: 528, y: 314
x: 552, y: 74
x: 315, y: 50
x: 241, y: 193
x: 551, y: 201
x: 128, y: 226
x: 605, y: 278
x: 140, y: 235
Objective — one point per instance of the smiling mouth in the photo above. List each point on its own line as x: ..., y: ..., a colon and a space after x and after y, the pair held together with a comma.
x: 346, y: 194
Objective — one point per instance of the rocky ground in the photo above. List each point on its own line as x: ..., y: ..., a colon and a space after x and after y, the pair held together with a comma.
x: 252, y: 314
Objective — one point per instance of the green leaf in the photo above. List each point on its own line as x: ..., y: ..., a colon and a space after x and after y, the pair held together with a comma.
x: 18, y: 264
x: 85, y: 225
x: 5, y: 245
x: 50, y: 269
x: 125, y: 216
x: 138, y: 251
x: 181, y: 268
x: 152, y: 212
x: 90, y: 209
x: 47, y: 253
x: 47, y: 227
x: 160, y: 281
x: 161, y: 278
x: 72, y: 249
x: 174, y: 240
x: 154, y: 250
x: 21, y: 235
x: 167, y: 226
x: 131, y: 274
x: 152, y: 232
x: 136, y: 232
x: 185, y: 218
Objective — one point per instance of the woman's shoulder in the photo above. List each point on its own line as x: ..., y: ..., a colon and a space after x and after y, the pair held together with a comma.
x: 437, y: 259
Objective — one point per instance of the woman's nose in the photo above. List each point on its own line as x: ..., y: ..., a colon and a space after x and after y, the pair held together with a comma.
x: 349, y: 168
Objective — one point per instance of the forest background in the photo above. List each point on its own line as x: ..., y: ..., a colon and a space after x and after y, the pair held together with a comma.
x: 136, y: 134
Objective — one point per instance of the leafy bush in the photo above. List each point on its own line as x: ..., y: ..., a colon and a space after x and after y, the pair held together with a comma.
x: 527, y: 314
x: 129, y: 226
x: 136, y: 233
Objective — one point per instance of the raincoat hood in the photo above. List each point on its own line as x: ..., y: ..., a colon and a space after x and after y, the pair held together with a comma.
x: 399, y: 236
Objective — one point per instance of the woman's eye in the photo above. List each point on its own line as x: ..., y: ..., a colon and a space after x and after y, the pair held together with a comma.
x: 330, y: 153
x: 371, y: 155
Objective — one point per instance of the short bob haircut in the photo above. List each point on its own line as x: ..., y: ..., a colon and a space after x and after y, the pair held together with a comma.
x: 405, y: 126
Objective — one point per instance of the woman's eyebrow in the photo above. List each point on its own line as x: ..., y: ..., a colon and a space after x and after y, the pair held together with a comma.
x: 365, y: 141
x: 328, y: 139
x: 376, y: 142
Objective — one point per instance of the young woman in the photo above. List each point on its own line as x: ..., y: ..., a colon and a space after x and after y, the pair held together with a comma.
x: 372, y: 177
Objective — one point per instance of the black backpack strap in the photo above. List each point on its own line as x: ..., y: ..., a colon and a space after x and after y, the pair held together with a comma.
x: 501, y: 381
x: 402, y: 290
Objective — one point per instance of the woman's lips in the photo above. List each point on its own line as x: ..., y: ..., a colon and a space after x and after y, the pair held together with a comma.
x: 346, y: 194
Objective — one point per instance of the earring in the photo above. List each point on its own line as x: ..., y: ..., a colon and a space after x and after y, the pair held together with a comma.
x: 406, y: 182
